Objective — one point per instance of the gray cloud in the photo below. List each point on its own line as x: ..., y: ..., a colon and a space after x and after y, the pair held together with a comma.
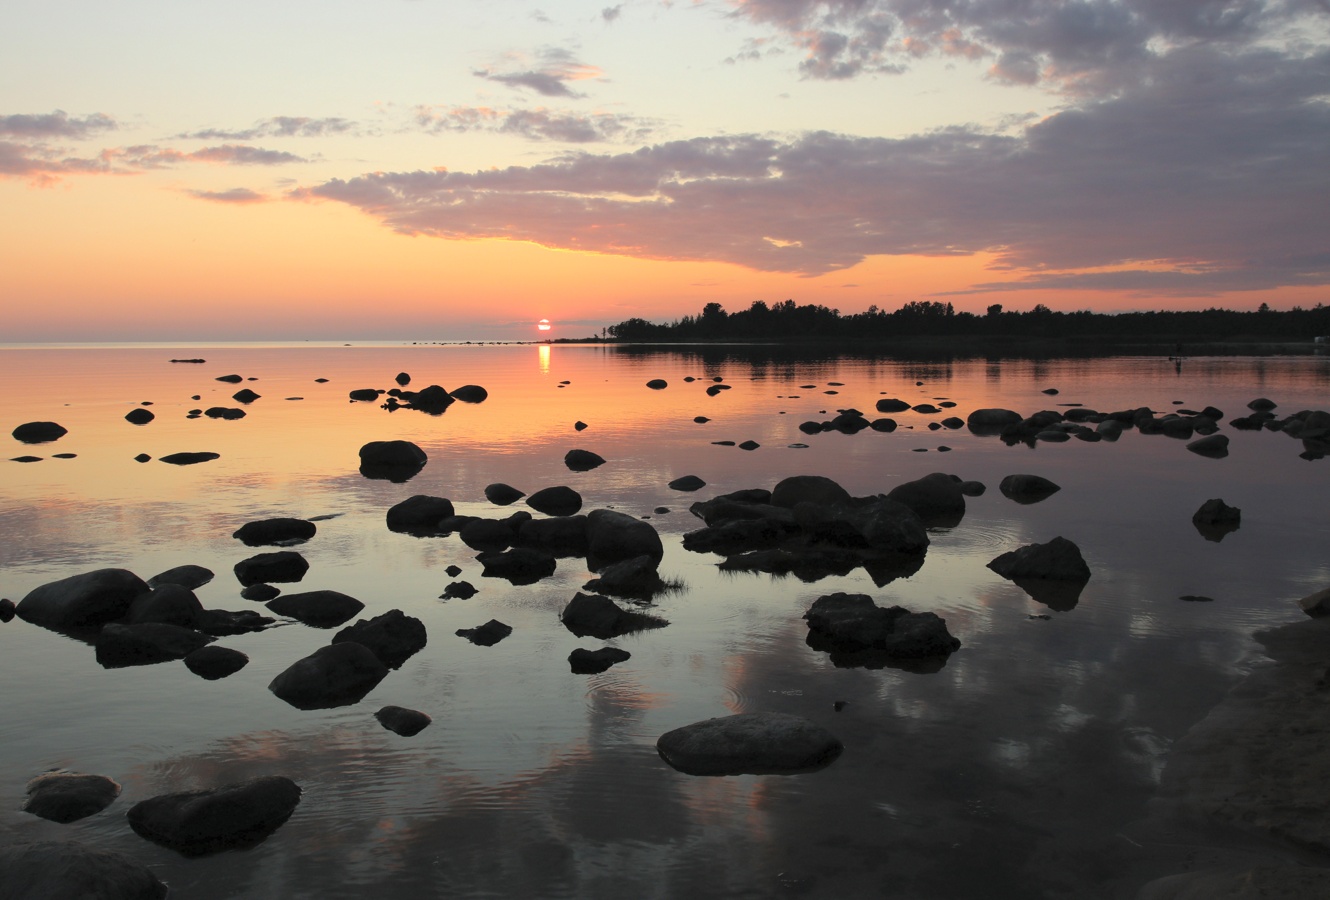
x: 557, y: 67
x: 57, y: 124
x: 240, y: 196
x: 610, y: 13
x: 536, y: 124
x: 44, y: 164
x: 1210, y: 171
x: 277, y: 126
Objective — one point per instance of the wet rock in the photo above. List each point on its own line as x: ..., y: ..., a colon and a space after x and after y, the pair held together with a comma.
x: 593, y: 662
x: 925, y: 408
x: 282, y: 566
x: 1262, y: 404
x: 1027, y: 488
x: 687, y: 483
x: 582, y: 460
x: 332, y: 676
x: 613, y: 536
x: 319, y: 609
x: 39, y: 432
x: 717, y: 388
x: 559, y: 500
x: 260, y: 592
x: 892, y: 405
x: 364, y: 394
x: 797, y: 489
x: 66, y: 797
x: 936, y: 498
x: 501, y: 494
x: 636, y: 577
x: 453, y: 571
x: 591, y: 615
x: 433, y: 400
x: 459, y: 590
x: 1109, y: 429
x: 419, y: 515
x: 579, y: 425
x: 269, y: 532
x: 469, y: 393
x: 230, y: 379
x: 557, y: 535
x: 486, y: 635
x: 402, y: 379
x: 973, y: 488
x: 520, y: 565
x: 139, y: 416
x: 658, y: 384
x: 1054, y: 573
x: 190, y: 458
x: 1215, y: 519
x: 169, y: 604
x: 6, y: 610
x: 1317, y: 604
x: 222, y: 622
x: 58, y: 869
x: 232, y: 817
x: 488, y: 534
x: 119, y: 646
x: 885, y: 426
x: 763, y: 743
x: 701, y: 420
x: 86, y: 600
x: 749, y: 445
x: 403, y: 721
x: 853, y: 622
x: 212, y: 663
x: 227, y: 413
x: 244, y: 395
x: 395, y: 461
x: 393, y: 637
x: 142, y: 458
x: 1214, y: 446
x: 187, y: 576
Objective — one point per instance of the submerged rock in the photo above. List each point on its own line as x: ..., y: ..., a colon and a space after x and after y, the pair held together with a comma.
x: 267, y: 532
x: 849, y: 623
x: 39, y: 432
x: 335, y: 675
x: 68, y: 796
x: 1027, y: 488
x: 282, y: 566
x: 394, y: 637
x: 232, y: 817
x: 593, y: 662
x: 591, y: 615
x: 765, y: 743
x: 119, y: 646
x: 320, y: 609
x: 486, y: 635
x: 213, y: 662
x: 559, y: 500
x: 403, y: 721
x: 60, y: 869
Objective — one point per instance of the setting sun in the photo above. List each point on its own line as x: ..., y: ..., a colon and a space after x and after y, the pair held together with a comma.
x: 543, y: 325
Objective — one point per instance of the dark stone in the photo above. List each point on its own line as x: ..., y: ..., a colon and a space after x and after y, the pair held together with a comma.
x: 66, y: 797
x: 269, y: 532
x: 403, y: 721
x: 139, y: 416
x: 6, y: 610
x: 419, y: 515
x: 853, y: 622
x: 188, y: 576
x: 228, y: 413
x: 86, y: 600
x: 717, y: 388
x: 488, y: 534
x: 260, y: 592
x: 403, y: 379
x: 335, y: 675
x: 69, y: 871
x: 221, y: 622
x: 749, y: 445
x: 687, y: 483
x: 453, y: 571
x: 1054, y: 573
x: 469, y: 393
x: 593, y: 662
x: 282, y: 566
x: 925, y: 408
x: 1027, y: 488
x: 555, y: 501
x: 973, y: 488
x: 169, y: 604
x: 501, y: 494
x: 39, y: 432
x: 244, y: 395
x: 1196, y: 598
x: 119, y: 646
x: 936, y: 498
x: 364, y: 394
x: 701, y: 420
x: 26, y: 459
x: 579, y: 425
x: 142, y: 458
x: 232, y: 817
x: 1262, y: 404
x: 797, y: 489
x: 486, y: 635
x: 1213, y: 520
x: 190, y: 458
x: 1214, y: 446
x: 230, y: 379
x: 459, y: 590
x: 557, y: 535
x: 658, y: 384
x: 613, y: 536
x: 320, y: 609
x: 395, y: 461
x: 582, y: 460
x: 433, y: 400
x: 520, y: 565
x: 765, y: 743
x: 636, y: 577
x: 393, y: 637
x: 212, y: 662
x: 600, y: 617
x: 891, y: 405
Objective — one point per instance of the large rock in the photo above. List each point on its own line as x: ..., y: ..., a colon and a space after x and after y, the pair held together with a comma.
x: 420, y: 514
x: 213, y: 662
x: 321, y: 609
x: 488, y: 534
x: 1214, y: 446
x: 395, y: 461
x: 268, y: 532
x: 936, y: 498
x: 613, y: 536
x: 190, y: 458
x: 750, y: 744
x: 501, y: 494
x: 170, y: 604
x: 1027, y: 488
x: 559, y: 500
x: 432, y: 400
x: 282, y: 566
x: 1054, y: 573
x: 68, y: 796
x: 590, y: 615
x: 469, y: 393
x: 58, y: 870
x: 188, y: 576
x: 232, y: 817
x: 486, y: 635
x: 393, y: 637
x: 403, y: 721
x: 520, y: 565
x: 593, y: 662
x: 557, y: 535
x: 86, y: 600
x: 39, y: 432
x: 144, y: 645
x: 335, y: 675
x: 582, y: 460
x: 853, y: 622
x: 1215, y: 519
x: 807, y: 489
x: 636, y: 577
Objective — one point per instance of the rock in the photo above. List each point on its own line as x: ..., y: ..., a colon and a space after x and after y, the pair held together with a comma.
x: 433, y: 400
x: 593, y: 662
x: 991, y: 421
x: 139, y: 416
x: 6, y: 610
x: 364, y: 394
x: 807, y: 489
x: 86, y: 600
x: 936, y: 498
x: 459, y: 590
x: 555, y: 501
x: 687, y: 483
x: 52, y: 870
x: 613, y: 536
x: 260, y: 592
x: 1027, y: 488
x: 119, y: 646
x: 973, y: 488
x: 853, y: 622
x: 170, y: 604
x: 66, y: 797
x: 142, y: 458
x: 221, y: 622
x: 749, y: 445
x: 190, y: 458
x: 244, y: 395
x: 282, y: 566
x: 403, y: 721
x: 1287, y: 882
x: 402, y: 379
x: 701, y: 420
x: 591, y: 615
x: 1214, y: 446
x: 394, y: 637
x: 212, y: 662
x: 885, y: 426
x: 453, y: 571
x: 469, y: 393
x: 230, y: 379
x: 1054, y: 573
x: 579, y: 425
x: 188, y: 576
x: 486, y: 635
x: 39, y: 432
x: 892, y: 405
x: 1317, y: 604
x: 269, y: 532
x: 1215, y: 519
x: 419, y: 515
x: 228, y: 413
x: 764, y: 743
x: 582, y: 460
x: 335, y: 675
x: 658, y: 384
x: 557, y: 535
x: 488, y: 534
x: 520, y: 565
x: 232, y: 817
x: 501, y: 494
x: 320, y: 609
x: 1262, y: 404
x: 636, y: 577
x: 395, y: 461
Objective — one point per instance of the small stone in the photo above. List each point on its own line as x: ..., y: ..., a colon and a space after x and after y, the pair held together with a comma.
x: 403, y: 721
x: 486, y: 635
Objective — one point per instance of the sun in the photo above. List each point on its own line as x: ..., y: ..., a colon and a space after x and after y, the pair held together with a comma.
x: 543, y: 325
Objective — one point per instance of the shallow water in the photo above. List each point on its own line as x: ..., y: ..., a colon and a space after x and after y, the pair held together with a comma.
x: 1012, y: 772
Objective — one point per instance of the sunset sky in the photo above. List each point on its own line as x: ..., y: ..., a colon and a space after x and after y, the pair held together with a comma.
x: 430, y: 170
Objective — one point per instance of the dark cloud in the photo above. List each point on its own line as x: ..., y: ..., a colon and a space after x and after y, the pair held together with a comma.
x: 550, y: 79
x: 536, y: 124
x: 610, y: 13
x: 57, y: 124
x: 239, y: 196
x: 43, y: 164
x: 277, y: 126
x: 1210, y: 171
x: 241, y: 155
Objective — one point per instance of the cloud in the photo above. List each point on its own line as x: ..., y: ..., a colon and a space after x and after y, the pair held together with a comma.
x: 241, y: 155
x: 610, y: 13
x: 239, y: 196
x: 57, y: 124
x: 550, y: 79
x: 277, y: 126
x: 536, y: 124
x: 1211, y: 170
x: 43, y: 164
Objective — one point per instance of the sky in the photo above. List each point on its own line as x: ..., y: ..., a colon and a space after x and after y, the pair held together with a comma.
x: 451, y: 170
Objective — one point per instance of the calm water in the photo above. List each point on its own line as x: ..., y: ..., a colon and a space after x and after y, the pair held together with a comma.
x: 1016, y: 771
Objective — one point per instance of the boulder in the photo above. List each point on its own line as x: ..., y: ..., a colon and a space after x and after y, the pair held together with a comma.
x: 231, y: 817
x: 221, y: 622
x: 119, y: 646
x: 459, y: 590
x: 320, y: 609
x: 501, y: 494
x: 269, y: 532
x: 636, y: 577
x: 486, y: 635
x: 335, y: 675
x: 557, y: 535
x: 1213, y: 520
x: 593, y: 662
x: 582, y: 460
x: 6, y: 610
x: 86, y: 600
x: 807, y: 489
x: 559, y: 500
x: 188, y: 576
x: 591, y: 615
x: 687, y: 483
x: 403, y: 721
x: 1057, y: 560
x: 432, y: 400
x: 261, y: 592
x: 892, y: 405
x: 853, y: 622
x: 1214, y: 446
x: 213, y: 662
x: 488, y: 534
x: 364, y: 394
x: 223, y: 412
x: 395, y: 461
x: 39, y: 432
x: 244, y: 395
x: 402, y: 379
x: 658, y: 384
x: 469, y: 393
x: 393, y: 637
x: 764, y: 743
x: 170, y: 604
x: 520, y: 565
x: 419, y: 515
x: 139, y: 416
x: 69, y: 871
x: 1317, y: 604
x: 613, y: 536
x: 1027, y: 488
x: 282, y: 566
x: 936, y: 498
x: 66, y: 797
x: 190, y: 458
